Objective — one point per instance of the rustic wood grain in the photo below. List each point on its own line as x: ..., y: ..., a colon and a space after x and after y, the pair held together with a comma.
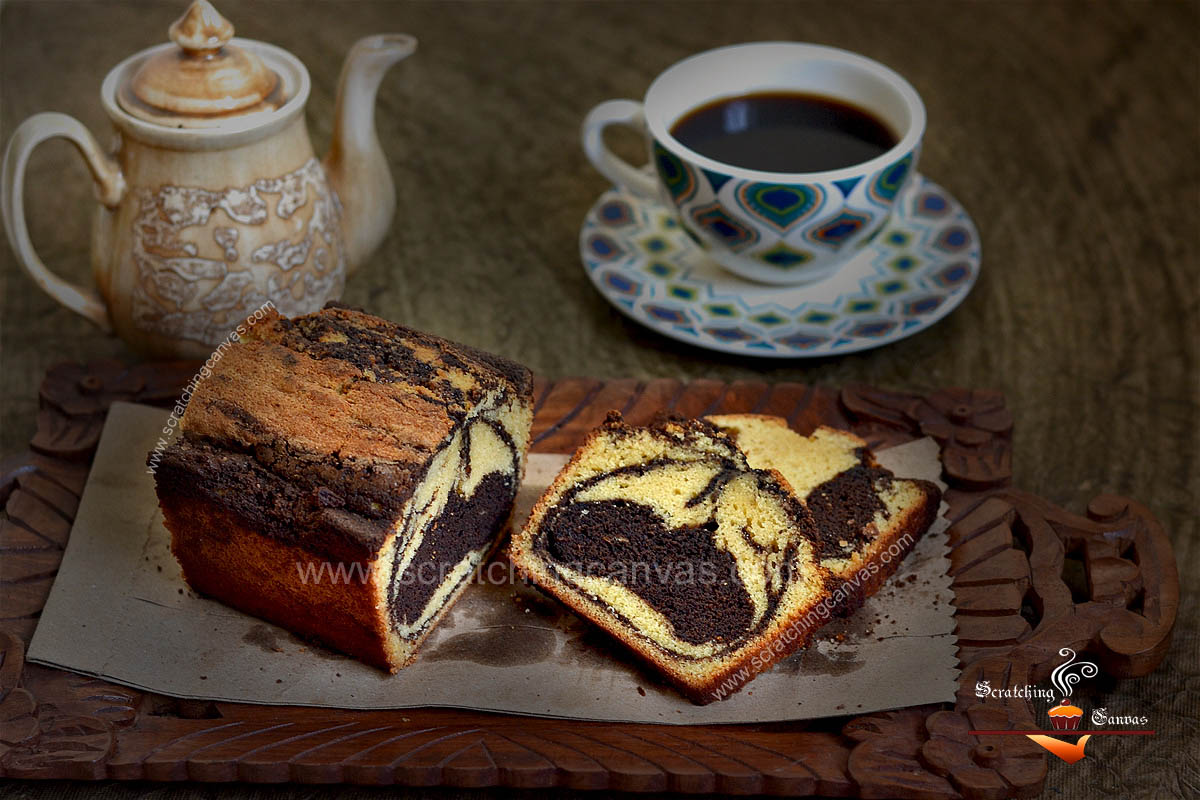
x: 1008, y: 550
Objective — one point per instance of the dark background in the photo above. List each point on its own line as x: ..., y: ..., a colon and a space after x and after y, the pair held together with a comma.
x: 1070, y: 131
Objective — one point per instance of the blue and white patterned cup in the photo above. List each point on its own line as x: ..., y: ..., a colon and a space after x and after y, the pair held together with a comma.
x: 772, y: 227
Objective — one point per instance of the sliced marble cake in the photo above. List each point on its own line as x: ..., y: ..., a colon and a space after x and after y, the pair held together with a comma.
x: 867, y: 519
x: 667, y: 539
x: 343, y: 476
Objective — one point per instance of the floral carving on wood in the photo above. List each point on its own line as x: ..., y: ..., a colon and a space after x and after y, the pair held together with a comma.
x: 974, y: 428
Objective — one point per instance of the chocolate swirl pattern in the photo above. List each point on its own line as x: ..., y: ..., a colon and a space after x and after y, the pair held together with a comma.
x: 696, y: 565
x: 463, y: 503
x: 865, y: 517
x: 668, y: 540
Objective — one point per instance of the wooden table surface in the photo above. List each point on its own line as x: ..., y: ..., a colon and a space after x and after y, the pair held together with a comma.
x: 1071, y: 131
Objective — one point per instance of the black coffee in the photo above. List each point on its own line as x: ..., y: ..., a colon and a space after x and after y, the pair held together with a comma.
x: 784, y: 132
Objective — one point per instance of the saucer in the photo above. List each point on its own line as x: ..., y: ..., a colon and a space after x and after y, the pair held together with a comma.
x: 914, y: 272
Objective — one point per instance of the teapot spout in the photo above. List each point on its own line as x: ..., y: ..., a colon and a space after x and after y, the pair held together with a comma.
x: 355, y: 164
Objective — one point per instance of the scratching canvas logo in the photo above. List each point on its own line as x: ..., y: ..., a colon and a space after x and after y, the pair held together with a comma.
x: 1066, y: 717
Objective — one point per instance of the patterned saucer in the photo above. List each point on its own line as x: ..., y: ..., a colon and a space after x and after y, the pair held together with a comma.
x: 915, y: 271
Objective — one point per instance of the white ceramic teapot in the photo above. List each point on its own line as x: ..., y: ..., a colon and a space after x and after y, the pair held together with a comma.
x: 213, y: 203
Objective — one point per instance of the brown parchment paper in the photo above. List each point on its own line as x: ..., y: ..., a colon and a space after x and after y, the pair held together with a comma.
x: 120, y: 610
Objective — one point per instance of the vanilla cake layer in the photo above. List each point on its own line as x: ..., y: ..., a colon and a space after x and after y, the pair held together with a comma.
x: 863, y: 513
x: 667, y: 539
x: 343, y: 476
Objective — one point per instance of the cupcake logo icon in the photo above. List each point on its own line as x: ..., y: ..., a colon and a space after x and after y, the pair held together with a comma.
x: 1066, y: 716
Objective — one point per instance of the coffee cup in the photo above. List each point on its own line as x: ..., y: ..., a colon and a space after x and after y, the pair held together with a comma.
x: 807, y: 212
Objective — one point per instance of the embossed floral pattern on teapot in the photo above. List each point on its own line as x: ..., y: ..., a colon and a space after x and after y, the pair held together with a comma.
x: 214, y: 202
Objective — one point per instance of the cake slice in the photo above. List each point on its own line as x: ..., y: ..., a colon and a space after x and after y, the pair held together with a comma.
x: 866, y: 519
x: 343, y: 476
x: 664, y: 537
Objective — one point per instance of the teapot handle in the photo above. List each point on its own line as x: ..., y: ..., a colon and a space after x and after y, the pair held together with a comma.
x: 109, y: 182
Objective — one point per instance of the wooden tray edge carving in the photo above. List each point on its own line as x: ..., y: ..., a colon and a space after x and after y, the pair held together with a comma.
x: 1016, y: 560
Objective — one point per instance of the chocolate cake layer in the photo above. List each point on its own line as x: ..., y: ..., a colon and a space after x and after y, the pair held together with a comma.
x: 295, y: 513
x: 465, y: 525
x: 844, y: 507
x: 678, y: 571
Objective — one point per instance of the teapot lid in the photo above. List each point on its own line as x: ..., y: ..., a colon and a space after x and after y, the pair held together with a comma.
x: 203, y: 81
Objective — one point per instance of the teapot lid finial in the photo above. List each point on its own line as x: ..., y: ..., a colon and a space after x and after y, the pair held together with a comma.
x: 203, y: 81
x: 201, y: 29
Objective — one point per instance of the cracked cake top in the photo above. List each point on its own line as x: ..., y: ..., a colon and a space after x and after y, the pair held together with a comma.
x: 333, y: 416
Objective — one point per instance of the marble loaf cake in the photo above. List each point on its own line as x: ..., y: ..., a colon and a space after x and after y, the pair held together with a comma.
x: 869, y: 519
x: 343, y: 476
x: 667, y: 539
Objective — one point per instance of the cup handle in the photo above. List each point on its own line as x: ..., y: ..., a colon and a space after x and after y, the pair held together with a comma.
x: 110, y: 184
x: 620, y: 172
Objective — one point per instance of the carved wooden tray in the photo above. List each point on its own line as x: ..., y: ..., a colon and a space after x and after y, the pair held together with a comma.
x: 1029, y: 578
